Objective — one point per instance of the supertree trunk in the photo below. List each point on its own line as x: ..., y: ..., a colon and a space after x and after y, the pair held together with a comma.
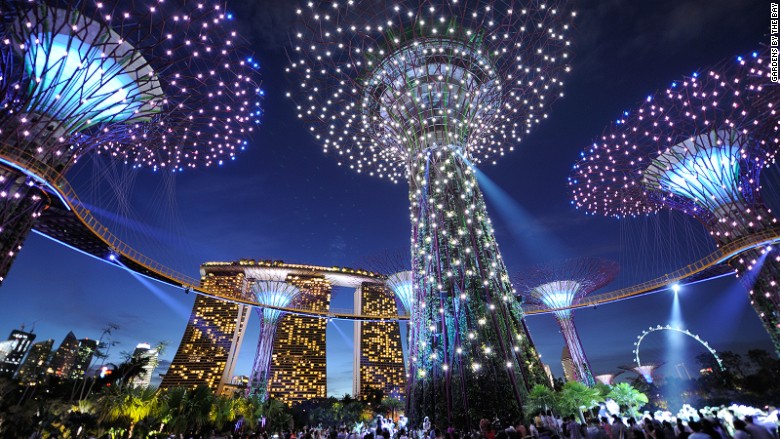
x: 20, y: 206
x: 758, y: 269
x: 471, y: 356
x: 572, y: 337
x: 258, y: 381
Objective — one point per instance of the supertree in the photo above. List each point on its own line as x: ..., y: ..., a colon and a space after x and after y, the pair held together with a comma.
x: 607, y: 378
x: 276, y: 293
x: 153, y: 84
x: 645, y: 371
x: 697, y: 147
x: 559, y: 285
x: 425, y: 90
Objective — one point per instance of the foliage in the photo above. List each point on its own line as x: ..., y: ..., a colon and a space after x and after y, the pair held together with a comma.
x: 541, y: 398
x: 627, y: 398
x: 576, y: 396
x: 751, y: 380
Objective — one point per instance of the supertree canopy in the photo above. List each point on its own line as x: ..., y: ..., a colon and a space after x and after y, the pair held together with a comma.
x: 697, y: 147
x: 423, y: 90
x: 276, y: 293
x: 607, y: 378
x: 150, y: 83
x: 645, y: 370
x: 559, y: 285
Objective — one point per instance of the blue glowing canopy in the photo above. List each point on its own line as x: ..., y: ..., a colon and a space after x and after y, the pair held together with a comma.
x: 83, y: 73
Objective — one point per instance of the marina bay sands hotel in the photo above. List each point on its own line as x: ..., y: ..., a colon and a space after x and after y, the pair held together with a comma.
x: 215, y: 332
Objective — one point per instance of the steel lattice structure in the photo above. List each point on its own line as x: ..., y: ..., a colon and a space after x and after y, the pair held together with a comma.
x: 559, y: 285
x: 277, y: 293
x: 424, y: 90
x: 697, y: 147
x: 154, y: 84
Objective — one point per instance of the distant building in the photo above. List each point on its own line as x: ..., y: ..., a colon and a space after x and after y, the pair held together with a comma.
x: 14, y: 350
x: 150, y: 358
x: 36, y: 363
x: 236, y: 387
x: 86, y: 351
x: 568, y: 365
x: 64, y: 359
x: 378, y: 356
x: 548, y: 372
x: 212, y: 339
x: 298, y: 366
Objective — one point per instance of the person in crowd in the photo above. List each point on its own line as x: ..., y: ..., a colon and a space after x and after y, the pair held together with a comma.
x: 756, y: 430
x: 575, y: 432
x: 668, y: 430
x: 618, y: 428
x: 651, y: 432
x: 634, y: 430
x: 532, y: 430
x: 696, y: 427
x: 522, y: 432
x: 550, y: 421
x: 681, y: 431
x: 606, y: 427
x: 740, y: 432
x: 594, y: 430
x: 708, y: 427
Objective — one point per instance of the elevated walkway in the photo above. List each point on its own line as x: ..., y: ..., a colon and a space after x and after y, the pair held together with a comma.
x: 68, y: 221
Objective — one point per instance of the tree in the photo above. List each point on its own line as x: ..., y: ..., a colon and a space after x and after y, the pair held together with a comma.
x: 733, y: 362
x: 186, y: 408
x: 392, y: 404
x: 129, y: 405
x: 541, y: 398
x: 576, y: 396
x: 276, y: 414
x: 250, y: 410
x: 224, y: 410
x: 627, y: 398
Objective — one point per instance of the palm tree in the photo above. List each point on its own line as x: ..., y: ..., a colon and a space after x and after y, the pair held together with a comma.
x: 541, y: 398
x: 276, y: 414
x: 250, y: 409
x: 575, y: 396
x: 187, y: 408
x: 627, y: 398
x: 224, y: 410
x: 129, y: 404
x: 392, y: 404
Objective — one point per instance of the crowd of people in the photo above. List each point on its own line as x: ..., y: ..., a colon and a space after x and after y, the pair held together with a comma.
x: 548, y: 426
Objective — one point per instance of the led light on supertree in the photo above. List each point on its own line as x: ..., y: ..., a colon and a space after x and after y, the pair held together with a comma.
x: 697, y: 147
x: 276, y: 293
x: 424, y: 90
x: 559, y: 285
x: 152, y: 84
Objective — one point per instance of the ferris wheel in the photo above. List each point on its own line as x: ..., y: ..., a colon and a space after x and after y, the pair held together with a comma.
x: 652, y: 329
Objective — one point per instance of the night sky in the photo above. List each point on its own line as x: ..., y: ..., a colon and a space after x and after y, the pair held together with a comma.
x: 284, y: 199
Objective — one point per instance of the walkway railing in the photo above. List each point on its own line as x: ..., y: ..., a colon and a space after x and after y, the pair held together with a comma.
x: 56, y: 181
x: 33, y: 167
x: 722, y: 254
